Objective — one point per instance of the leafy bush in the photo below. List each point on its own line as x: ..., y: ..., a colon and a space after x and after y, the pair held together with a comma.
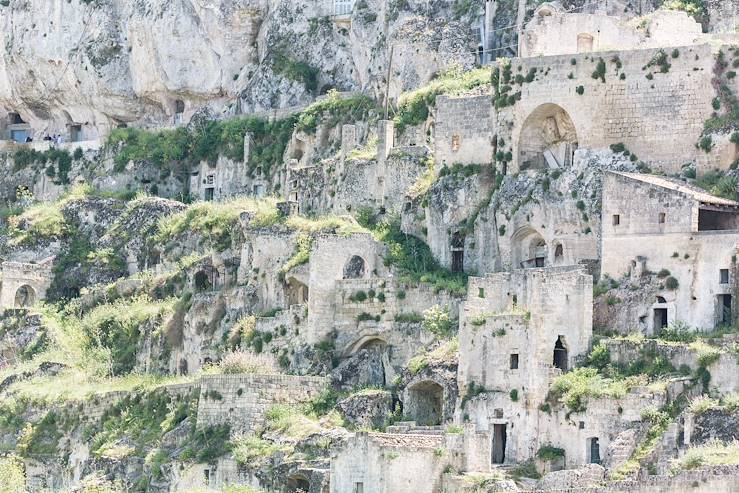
x: 437, y: 320
x: 550, y: 453
x: 671, y: 283
x: 297, y: 71
x: 335, y: 110
x: 413, y: 107
x: 575, y: 387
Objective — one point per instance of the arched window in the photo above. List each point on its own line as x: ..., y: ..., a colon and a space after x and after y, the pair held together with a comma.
x: 560, y: 354
x: 25, y: 296
x: 354, y: 268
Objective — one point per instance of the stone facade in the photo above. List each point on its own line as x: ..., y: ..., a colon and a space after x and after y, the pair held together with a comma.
x: 249, y: 397
x: 659, y: 119
x: 463, y: 130
x: 687, y: 234
x: 24, y: 284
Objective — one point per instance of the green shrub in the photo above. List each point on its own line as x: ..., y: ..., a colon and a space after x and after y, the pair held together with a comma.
x: 550, y: 453
x: 671, y: 283
x: 437, y: 320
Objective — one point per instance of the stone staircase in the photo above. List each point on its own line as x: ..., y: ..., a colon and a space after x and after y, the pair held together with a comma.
x: 621, y: 448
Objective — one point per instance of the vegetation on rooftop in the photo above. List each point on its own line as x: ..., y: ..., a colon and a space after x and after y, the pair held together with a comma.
x: 414, y: 107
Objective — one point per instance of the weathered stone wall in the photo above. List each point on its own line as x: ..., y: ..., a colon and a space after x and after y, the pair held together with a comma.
x: 568, y: 33
x: 659, y: 120
x: 387, y: 463
x: 693, y: 257
x: 242, y: 400
x: 463, y: 130
x: 330, y: 256
x: 24, y: 284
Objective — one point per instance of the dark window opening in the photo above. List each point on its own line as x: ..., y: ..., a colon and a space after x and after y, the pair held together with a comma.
x: 354, y: 268
x: 202, y: 283
x: 457, y: 260
x: 499, y: 442
x: 710, y: 220
x: 514, y: 362
x: 593, y: 451
x: 209, y: 194
x: 560, y: 354
x: 16, y: 119
x: 662, y: 217
x: 480, y: 292
x: 616, y: 219
x: 724, y: 309
x: 558, y: 251
x: 179, y: 106
x: 724, y: 276
x: 75, y: 133
x: 660, y: 318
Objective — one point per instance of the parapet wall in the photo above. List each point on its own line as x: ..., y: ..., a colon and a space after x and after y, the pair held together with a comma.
x: 241, y: 401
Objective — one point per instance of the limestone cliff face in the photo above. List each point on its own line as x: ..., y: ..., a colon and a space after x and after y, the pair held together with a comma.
x: 100, y: 63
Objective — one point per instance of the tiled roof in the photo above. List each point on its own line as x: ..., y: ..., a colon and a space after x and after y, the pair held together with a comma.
x: 681, y: 187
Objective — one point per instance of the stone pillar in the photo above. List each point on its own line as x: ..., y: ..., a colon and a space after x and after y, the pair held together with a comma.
x: 348, y: 139
x: 385, y: 139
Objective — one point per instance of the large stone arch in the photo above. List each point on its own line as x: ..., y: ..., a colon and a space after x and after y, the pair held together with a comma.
x: 528, y: 249
x: 547, y: 139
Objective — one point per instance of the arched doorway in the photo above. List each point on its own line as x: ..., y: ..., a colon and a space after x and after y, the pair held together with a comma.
x: 375, y: 355
x: 548, y: 139
x: 528, y: 249
x: 560, y: 354
x: 298, y: 483
x: 424, y: 403
x: 201, y: 281
x: 584, y: 43
x: 296, y: 292
x: 25, y: 296
x: 355, y: 268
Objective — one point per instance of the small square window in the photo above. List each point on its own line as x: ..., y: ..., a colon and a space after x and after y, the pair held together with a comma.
x: 616, y: 219
x: 724, y: 276
x: 662, y: 217
x: 514, y: 362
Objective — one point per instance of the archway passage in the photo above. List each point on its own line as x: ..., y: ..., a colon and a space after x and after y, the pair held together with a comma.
x: 25, y: 296
x: 202, y: 282
x: 560, y: 354
x: 296, y: 292
x: 425, y: 403
x: 355, y: 268
x: 528, y: 249
x: 298, y: 484
x: 548, y: 139
x: 375, y: 355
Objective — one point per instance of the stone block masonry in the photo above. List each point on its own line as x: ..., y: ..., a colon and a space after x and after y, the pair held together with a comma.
x: 242, y: 401
x: 656, y: 109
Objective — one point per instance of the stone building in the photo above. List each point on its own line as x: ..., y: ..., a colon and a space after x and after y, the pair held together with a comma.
x: 24, y: 284
x: 394, y: 463
x: 685, y: 235
x: 463, y: 130
x: 518, y: 331
x: 591, y: 81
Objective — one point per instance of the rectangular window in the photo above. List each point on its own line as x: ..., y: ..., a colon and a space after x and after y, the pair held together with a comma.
x: 616, y: 219
x: 724, y: 276
x: 455, y: 142
x: 514, y: 362
x: 358, y: 487
x: 480, y: 292
x: 662, y: 217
